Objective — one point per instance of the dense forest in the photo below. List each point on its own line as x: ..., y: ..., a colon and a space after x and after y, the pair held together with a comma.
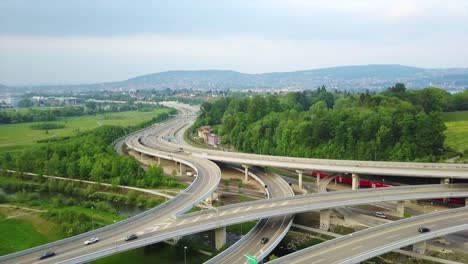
x: 12, y: 116
x: 397, y: 124
x: 88, y: 156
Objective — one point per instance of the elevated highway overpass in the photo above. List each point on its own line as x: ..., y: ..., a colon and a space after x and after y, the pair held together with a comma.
x: 362, y: 245
x: 165, y: 228
x: 166, y: 221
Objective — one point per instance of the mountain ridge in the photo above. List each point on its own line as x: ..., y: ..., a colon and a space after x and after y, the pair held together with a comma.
x: 353, y: 77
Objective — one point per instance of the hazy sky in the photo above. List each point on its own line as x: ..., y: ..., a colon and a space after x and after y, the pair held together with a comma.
x: 79, y: 41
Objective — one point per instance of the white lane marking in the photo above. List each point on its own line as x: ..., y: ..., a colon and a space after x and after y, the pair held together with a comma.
x: 393, y: 236
x: 167, y: 225
x: 152, y: 229
x: 285, y: 203
x: 223, y: 213
x: 248, y: 208
x: 235, y: 211
x: 320, y: 260
x: 182, y: 222
x: 196, y: 219
x: 209, y: 216
x: 357, y: 247
x: 274, y: 204
x: 139, y: 233
x: 261, y: 206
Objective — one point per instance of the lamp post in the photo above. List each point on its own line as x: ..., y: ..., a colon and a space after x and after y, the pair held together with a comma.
x: 185, y: 255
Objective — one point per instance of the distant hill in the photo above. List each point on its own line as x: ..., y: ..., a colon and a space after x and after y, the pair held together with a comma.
x: 352, y: 78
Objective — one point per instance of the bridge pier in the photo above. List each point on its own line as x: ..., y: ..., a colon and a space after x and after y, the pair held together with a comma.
x: 246, y: 172
x: 400, y: 208
x: 420, y: 247
x: 355, y: 181
x: 466, y: 201
x: 325, y: 219
x: 209, y: 200
x: 159, y: 161
x: 444, y: 181
x: 220, y: 237
x: 299, y: 172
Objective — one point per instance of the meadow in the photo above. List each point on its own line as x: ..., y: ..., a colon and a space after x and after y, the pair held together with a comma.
x: 20, y: 136
x: 28, y: 230
x: 457, y: 131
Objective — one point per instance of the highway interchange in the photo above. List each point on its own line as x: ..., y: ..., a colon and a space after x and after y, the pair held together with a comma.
x: 167, y: 221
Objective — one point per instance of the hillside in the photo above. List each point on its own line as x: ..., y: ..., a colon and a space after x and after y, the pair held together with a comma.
x: 351, y: 78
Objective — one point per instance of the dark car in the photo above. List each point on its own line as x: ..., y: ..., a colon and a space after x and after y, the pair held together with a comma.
x: 423, y: 230
x: 131, y: 237
x: 264, y: 240
x: 47, y: 254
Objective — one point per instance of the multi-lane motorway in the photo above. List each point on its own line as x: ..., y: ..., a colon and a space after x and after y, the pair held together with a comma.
x: 112, y: 236
x: 273, y: 228
x: 167, y: 222
x: 381, y: 239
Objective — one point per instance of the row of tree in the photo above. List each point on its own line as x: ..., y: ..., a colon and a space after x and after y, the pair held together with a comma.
x: 88, y: 156
x: 12, y: 116
x: 393, y: 125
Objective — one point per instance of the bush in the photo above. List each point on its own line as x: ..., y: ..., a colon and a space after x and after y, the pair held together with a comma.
x: 46, y: 126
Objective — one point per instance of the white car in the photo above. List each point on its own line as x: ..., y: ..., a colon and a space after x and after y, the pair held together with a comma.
x: 91, y: 241
x: 380, y: 214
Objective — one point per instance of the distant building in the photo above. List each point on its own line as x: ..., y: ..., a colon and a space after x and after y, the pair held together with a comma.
x: 59, y: 101
x: 9, y: 100
x: 213, y: 139
x: 203, y: 130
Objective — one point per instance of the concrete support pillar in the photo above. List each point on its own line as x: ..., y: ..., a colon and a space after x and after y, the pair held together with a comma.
x: 159, y: 161
x: 299, y: 172
x: 209, y: 200
x: 444, y: 181
x: 325, y: 219
x: 400, y: 208
x: 420, y: 247
x: 246, y: 172
x: 220, y: 237
x: 466, y: 202
x: 181, y: 169
x: 355, y: 181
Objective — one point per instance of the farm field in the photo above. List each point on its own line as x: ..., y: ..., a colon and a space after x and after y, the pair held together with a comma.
x: 20, y: 136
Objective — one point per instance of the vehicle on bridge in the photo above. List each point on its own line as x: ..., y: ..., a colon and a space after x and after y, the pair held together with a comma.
x: 47, y: 254
x: 91, y: 241
x: 131, y: 237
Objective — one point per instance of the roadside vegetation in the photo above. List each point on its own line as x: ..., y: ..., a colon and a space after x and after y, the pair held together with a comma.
x: 457, y: 132
x: 55, y: 209
x: 89, y: 156
x: 398, y: 124
x: 23, y: 229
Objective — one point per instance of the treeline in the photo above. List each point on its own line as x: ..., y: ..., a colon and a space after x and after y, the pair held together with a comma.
x: 13, y: 116
x: 88, y: 156
x: 46, y: 126
x: 393, y: 125
x: 59, y: 197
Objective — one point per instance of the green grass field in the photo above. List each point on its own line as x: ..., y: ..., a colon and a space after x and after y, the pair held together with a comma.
x: 28, y: 230
x: 19, y: 136
x: 457, y: 130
